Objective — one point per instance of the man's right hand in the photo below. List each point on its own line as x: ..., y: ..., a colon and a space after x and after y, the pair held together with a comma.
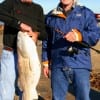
x: 28, y: 29
x: 25, y: 28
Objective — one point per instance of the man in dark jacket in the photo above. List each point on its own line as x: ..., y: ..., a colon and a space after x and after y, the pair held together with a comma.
x: 17, y: 15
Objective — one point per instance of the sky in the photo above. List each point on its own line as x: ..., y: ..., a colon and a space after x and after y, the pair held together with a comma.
x: 47, y: 5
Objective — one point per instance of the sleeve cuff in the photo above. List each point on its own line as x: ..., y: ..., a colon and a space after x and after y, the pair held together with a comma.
x: 45, y: 63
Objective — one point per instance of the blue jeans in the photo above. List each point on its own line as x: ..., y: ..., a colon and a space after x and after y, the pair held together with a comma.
x: 7, y: 75
x: 62, y: 78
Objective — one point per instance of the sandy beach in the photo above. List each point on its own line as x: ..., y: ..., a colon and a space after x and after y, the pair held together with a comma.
x: 44, y: 89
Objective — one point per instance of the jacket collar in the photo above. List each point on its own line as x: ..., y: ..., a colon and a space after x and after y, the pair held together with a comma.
x: 59, y: 12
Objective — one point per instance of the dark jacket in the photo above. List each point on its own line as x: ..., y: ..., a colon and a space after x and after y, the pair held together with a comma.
x: 12, y: 12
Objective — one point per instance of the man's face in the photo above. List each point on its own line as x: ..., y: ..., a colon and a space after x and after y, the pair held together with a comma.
x: 67, y: 2
x: 26, y: 1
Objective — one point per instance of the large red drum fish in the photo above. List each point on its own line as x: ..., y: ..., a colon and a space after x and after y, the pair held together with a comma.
x: 29, y: 67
